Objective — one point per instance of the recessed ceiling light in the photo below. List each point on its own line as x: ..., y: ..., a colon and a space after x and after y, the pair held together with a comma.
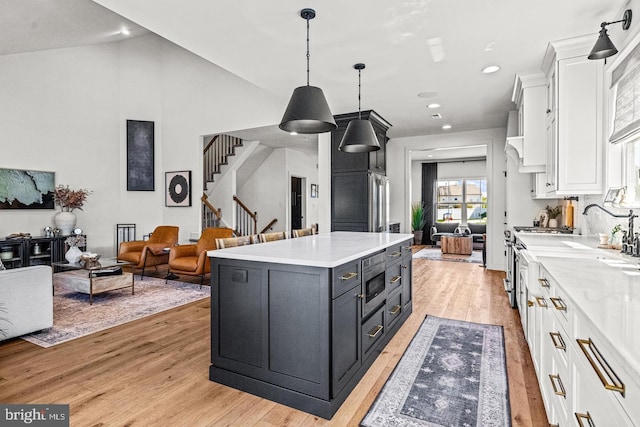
x: 490, y: 69
x: 125, y: 32
x: 427, y: 94
x: 433, y: 105
x: 429, y: 155
x: 436, y: 116
x: 445, y: 127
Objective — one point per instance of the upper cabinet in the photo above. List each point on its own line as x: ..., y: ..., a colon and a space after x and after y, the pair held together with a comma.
x: 574, y: 119
x: 529, y: 94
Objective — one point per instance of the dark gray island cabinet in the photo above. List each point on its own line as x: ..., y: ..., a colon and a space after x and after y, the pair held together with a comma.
x: 300, y: 321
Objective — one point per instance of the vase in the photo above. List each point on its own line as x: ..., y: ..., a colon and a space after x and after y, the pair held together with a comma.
x: 73, y: 255
x: 553, y: 223
x: 417, y: 237
x: 65, y: 222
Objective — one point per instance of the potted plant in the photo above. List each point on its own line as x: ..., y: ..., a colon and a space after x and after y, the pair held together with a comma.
x: 554, y: 213
x: 417, y: 221
x: 68, y: 200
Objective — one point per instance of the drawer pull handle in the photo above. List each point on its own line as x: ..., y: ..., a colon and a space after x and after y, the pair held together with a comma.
x: 559, y: 389
x: 375, y: 331
x: 530, y: 303
x: 558, y: 303
x: 394, y: 279
x: 348, y: 276
x: 609, y: 379
x: 586, y: 417
x: 544, y: 283
x: 396, y: 309
x: 395, y: 254
x: 558, y: 342
x: 541, y: 302
x: 362, y: 296
x: 408, y: 248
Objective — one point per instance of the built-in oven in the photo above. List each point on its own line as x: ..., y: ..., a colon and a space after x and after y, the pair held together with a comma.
x: 373, y: 269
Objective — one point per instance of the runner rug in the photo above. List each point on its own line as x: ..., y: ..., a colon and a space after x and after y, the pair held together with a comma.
x: 452, y: 374
x: 436, y: 254
x: 74, y: 317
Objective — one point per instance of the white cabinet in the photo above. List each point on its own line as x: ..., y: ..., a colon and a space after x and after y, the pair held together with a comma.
x: 529, y: 95
x: 574, y: 122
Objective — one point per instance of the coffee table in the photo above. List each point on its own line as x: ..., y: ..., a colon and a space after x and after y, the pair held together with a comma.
x: 92, y: 281
x: 453, y: 244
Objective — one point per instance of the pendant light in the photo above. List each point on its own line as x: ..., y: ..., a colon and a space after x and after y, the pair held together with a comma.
x: 308, y: 111
x: 604, y: 47
x: 359, y: 136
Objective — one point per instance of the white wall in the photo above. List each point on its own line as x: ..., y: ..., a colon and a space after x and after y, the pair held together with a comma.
x: 65, y: 110
x: 399, y: 173
x: 268, y: 190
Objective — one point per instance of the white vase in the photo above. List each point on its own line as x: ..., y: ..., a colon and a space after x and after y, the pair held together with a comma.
x: 553, y: 223
x: 65, y: 222
x: 73, y: 255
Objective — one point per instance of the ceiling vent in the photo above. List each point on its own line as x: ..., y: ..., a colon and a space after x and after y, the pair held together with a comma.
x: 436, y: 116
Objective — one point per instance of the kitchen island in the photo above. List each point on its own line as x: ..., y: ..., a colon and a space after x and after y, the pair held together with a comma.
x: 299, y: 321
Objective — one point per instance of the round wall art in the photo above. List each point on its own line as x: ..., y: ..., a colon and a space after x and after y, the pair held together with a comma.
x: 178, y: 188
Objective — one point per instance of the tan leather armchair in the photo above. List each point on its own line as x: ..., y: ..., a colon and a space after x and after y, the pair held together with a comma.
x: 149, y: 253
x: 191, y: 260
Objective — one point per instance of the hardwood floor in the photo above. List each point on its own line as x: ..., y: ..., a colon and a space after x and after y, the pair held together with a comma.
x: 155, y: 371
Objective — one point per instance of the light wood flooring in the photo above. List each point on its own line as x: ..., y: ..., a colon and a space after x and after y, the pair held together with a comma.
x: 154, y: 371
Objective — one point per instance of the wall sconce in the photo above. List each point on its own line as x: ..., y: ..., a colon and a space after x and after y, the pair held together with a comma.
x: 604, y: 48
x: 308, y: 111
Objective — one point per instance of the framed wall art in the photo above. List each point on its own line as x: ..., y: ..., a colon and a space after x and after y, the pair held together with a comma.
x: 178, y: 188
x: 26, y: 189
x: 140, y: 155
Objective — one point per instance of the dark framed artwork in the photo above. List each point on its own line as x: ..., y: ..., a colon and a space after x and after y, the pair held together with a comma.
x: 26, y: 189
x: 140, y: 156
x: 314, y: 191
x: 178, y: 188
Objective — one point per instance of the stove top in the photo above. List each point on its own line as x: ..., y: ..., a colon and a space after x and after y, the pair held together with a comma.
x: 559, y: 230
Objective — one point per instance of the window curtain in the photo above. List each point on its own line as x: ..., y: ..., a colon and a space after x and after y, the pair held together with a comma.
x: 429, y: 184
x: 625, y: 82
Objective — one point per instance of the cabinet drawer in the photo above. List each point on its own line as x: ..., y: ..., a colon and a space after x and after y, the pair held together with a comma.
x: 346, y: 277
x: 393, y: 307
x: 393, y: 254
x: 372, y: 332
x: 393, y: 277
x: 607, y: 372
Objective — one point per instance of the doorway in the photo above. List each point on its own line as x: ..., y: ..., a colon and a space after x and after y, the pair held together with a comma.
x: 297, y: 202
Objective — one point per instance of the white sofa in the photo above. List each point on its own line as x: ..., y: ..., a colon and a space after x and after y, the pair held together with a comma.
x: 26, y: 300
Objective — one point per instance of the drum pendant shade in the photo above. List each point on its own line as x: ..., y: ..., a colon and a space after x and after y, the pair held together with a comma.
x: 359, y: 137
x: 308, y: 112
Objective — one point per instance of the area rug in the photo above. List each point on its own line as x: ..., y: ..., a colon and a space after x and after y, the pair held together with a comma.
x: 452, y: 374
x: 436, y: 254
x: 74, y: 317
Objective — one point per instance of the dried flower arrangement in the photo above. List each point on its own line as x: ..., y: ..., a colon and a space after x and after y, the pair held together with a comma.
x: 69, y: 199
x: 554, y: 212
x: 77, y: 240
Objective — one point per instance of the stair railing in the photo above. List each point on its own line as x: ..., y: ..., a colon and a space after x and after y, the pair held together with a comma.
x: 210, y: 215
x: 246, y: 220
x: 269, y: 226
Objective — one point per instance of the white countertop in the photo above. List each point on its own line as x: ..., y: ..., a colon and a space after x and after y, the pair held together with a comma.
x: 327, y: 250
x: 602, y: 284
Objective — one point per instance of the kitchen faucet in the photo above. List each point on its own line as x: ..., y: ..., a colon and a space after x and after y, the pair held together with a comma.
x: 634, y: 247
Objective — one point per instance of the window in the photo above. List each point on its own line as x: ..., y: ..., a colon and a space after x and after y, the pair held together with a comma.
x: 462, y: 200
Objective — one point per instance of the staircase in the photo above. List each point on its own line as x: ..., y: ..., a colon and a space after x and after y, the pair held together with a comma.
x: 216, y: 154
